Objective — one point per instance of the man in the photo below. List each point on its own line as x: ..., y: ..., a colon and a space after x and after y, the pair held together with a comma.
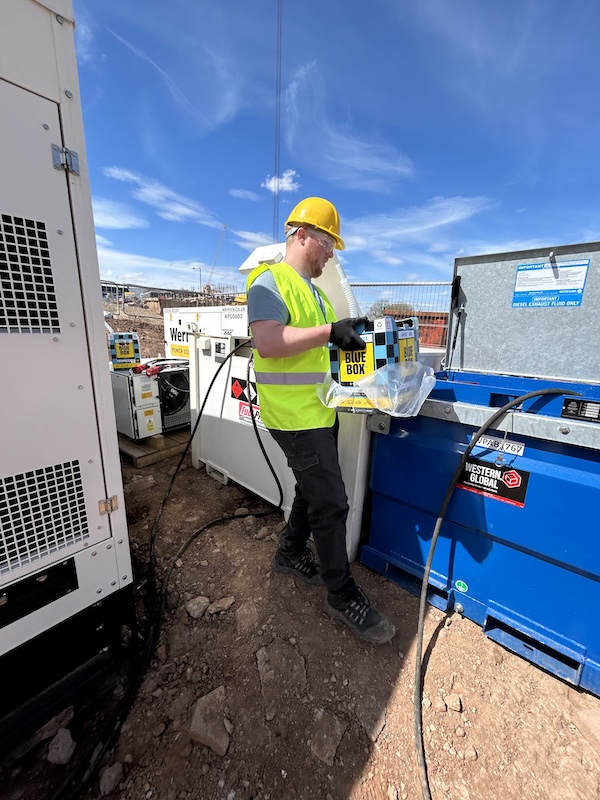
x: 292, y: 323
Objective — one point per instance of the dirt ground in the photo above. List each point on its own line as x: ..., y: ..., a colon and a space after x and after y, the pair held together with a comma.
x: 255, y: 693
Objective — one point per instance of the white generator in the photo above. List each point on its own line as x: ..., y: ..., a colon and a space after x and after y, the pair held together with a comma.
x: 137, y: 404
x: 180, y: 323
x: 66, y: 591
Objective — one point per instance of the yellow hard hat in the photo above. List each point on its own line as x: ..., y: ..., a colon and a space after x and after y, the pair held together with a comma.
x: 320, y: 214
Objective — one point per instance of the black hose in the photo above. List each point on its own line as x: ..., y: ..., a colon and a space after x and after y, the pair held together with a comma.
x: 258, y: 439
x: 418, y: 714
x: 83, y: 770
x: 181, y: 460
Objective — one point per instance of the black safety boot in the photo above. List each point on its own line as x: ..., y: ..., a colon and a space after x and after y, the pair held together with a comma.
x: 355, y: 609
x: 302, y: 567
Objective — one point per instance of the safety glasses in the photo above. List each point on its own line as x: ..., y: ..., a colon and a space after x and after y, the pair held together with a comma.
x: 324, y: 239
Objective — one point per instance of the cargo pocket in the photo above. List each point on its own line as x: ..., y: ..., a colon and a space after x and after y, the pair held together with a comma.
x: 300, y: 462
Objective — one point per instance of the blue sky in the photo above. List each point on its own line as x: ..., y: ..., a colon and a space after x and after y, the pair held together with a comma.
x: 439, y: 128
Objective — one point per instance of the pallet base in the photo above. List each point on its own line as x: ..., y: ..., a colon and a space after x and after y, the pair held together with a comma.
x: 154, y: 448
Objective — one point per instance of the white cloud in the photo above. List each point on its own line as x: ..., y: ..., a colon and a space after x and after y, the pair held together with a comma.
x: 285, y: 183
x: 350, y: 159
x: 417, y: 224
x: 133, y: 268
x: 116, y: 216
x: 168, y: 204
x: 387, y: 257
x: 362, y: 164
x: 178, y: 96
x: 84, y: 41
x: 478, y: 247
x: 248, y: 240
x: 405, y: 243
x: 244, y: 194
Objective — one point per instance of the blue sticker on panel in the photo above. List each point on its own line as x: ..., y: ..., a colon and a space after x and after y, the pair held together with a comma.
x: 550, y: 285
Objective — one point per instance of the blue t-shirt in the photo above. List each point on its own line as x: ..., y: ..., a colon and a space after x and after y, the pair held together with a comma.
x: 266, y: 302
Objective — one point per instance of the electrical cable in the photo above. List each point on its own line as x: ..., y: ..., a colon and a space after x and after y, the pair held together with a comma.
x: 276, y: 178
x: 259, y: 440
x: 85, y: 767
x: 418, y: 715
x: 180, y: 389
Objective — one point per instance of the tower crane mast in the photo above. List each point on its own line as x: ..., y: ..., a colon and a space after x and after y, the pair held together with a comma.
x: 208, y: 287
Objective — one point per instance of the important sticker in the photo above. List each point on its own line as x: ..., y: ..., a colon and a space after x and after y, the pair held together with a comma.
x: 550, y: 285
x: 500, y: 482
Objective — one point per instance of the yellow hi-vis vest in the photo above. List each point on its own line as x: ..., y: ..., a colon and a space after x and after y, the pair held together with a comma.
x: 287, y: 386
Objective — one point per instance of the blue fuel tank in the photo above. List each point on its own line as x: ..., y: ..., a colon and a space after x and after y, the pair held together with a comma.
x: 519, y: 548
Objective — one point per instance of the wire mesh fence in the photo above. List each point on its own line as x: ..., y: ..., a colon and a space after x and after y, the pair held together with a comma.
x: 217, y: 296
x: 429, y: 302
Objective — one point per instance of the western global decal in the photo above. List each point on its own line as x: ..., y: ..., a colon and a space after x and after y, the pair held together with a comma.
x: 503, y: 483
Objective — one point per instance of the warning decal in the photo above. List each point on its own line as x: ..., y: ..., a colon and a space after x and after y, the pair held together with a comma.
x: 239, y: 391
x: 498, y: 481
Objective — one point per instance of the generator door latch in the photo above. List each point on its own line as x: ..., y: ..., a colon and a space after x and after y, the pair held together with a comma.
x: 108, y: 505
x: 63, y: 158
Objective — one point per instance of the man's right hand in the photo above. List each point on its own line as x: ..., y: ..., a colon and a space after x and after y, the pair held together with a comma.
x: 344, y: 336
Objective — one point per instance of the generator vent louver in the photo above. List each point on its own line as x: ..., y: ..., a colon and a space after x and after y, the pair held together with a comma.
x: 27, y: 296
x: 41, y: 512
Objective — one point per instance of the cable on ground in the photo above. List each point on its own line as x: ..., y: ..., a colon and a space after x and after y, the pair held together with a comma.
x: 419, y: 676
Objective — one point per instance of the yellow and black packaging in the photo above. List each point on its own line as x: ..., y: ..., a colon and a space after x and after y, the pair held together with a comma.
x: 388, y: 342
x: 124, y: 350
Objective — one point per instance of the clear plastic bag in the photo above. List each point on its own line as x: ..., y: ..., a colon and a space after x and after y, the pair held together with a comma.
x: 398, y: 389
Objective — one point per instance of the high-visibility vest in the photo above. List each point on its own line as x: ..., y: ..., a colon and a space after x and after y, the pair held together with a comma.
x: 287, y: 386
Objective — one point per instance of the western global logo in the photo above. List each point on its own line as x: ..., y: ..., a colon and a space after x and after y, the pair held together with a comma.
x: 507, y: 484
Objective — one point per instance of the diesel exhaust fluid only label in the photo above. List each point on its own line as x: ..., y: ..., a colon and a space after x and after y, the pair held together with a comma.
x: 501, y: 482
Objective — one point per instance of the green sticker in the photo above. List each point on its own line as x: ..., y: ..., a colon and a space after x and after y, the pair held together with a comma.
x: 461, y: 586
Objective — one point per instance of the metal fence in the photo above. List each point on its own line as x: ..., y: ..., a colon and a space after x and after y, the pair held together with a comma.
x: 219, y: 296
x: 429, y: 302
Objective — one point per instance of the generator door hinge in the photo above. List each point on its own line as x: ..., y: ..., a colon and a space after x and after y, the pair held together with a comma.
x: 63, y: 158
x: 108, y: 505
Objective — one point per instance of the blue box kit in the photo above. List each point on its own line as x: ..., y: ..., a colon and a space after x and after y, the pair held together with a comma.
x: 124, y: 350
x: 388, y: 342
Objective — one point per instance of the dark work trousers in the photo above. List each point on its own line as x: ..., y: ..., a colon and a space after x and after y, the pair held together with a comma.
x: 320, y: 505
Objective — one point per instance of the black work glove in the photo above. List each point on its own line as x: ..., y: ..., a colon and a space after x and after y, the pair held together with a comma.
x: 344, y: 336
